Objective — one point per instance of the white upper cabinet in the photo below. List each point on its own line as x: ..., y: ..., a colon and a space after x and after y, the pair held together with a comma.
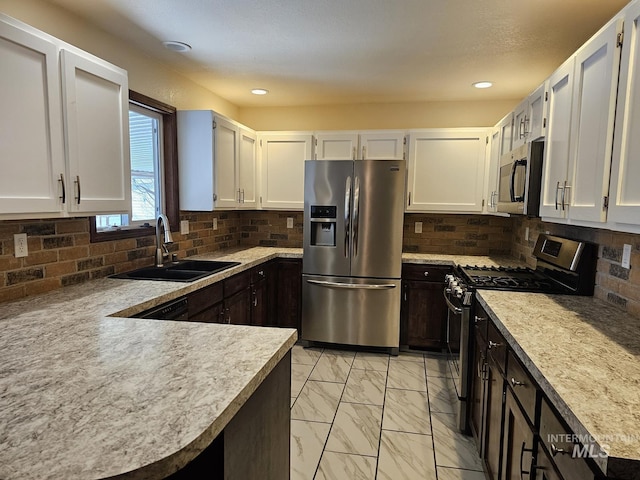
x: 446, y: 170
x: 370, y: 145
x: 217, y: 162
x: 582, y: 99
x: 492, y: 172
x: 592, y: 123
x: 31, y: 145
x: 506, y: 133
x: 96, y: 106
x: 382, y: 145
x: 556, y: 155
x: 247, y: 167
x: 336, y: 145
x: 49, y: 170
x: 537, y: 118
x: 624, y: 201
x: 520, y: 124
x: 282, y: 156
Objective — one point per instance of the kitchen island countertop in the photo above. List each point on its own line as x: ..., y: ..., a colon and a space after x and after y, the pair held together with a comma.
x: 585, y: 356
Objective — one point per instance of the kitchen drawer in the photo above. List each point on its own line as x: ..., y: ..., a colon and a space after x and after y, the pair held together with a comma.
x: 523, y: 386
x: 426, y: 272
x: 553, y: 434
x: 236, y: 283
x: 497, y: 347
x: 204, y: 298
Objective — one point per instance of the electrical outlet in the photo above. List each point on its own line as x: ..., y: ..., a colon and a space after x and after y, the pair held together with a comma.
x: 215, y: 223
x: 626, y: 256
x: 20, y: 245
x: 289, y: 222
x: 418, y: 227
x: 184, y: 227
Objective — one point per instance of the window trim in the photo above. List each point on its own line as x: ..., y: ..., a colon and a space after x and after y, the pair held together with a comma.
x: 169, y: 174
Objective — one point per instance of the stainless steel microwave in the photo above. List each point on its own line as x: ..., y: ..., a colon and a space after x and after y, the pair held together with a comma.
x: 520, y: 180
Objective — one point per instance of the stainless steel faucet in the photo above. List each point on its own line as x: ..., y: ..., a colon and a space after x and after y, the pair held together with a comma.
x: 162, y: 221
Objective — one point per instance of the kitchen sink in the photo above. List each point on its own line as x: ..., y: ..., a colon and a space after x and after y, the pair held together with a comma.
x: 180, y: 271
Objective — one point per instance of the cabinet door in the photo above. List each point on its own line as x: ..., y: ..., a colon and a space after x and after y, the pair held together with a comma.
x: 289, y: 295
x: 213, y: 314
x: 446, y: 170
x: 238, y: 307
x: 493, y: 422
x: 247, y: 168
x: 386, y: 145
x: 506, y: 133
x: 336, y: 146
x: 624, y: 202
x: 556, y: 154
x: 424, y: 313
x: 519, y: 132
x: 538, y: 102
x: 282, y: 165
x: 517, y: 442
x: 592, y: 120
x: 493, y: 171
x: 31, y: 147
x: 479, y: 377
x: 196, y: 160
x: 224, y: 158
x: 96, y: 106
x: 259, y: 305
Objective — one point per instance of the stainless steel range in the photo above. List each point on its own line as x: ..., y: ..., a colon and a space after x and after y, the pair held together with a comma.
x: 564, y: 266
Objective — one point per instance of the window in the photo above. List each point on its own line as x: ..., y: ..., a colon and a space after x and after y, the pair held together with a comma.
x: 152, y: 131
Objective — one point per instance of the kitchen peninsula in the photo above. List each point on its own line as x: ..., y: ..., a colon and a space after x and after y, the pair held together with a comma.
x: 88, y: 395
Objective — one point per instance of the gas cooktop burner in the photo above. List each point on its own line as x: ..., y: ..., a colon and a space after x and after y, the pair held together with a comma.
x: 508, y: 278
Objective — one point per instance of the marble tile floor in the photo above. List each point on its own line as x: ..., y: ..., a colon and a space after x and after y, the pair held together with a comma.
x: 357, y: 415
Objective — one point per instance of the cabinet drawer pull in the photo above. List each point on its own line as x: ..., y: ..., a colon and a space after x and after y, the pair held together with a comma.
x: 478, y: 319
x: 555, y: 450
x: 426, y: 274
x: 516, y: 383
x: 494, y: 344
x: 522, y: 470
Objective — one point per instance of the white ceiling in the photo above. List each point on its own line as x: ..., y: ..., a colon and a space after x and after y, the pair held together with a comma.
x: 312, y: 52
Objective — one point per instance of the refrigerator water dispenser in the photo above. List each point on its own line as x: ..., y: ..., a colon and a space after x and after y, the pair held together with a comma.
x: 323, y: 226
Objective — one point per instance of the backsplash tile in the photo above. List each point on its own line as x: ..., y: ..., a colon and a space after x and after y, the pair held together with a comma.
x: 614, y: 284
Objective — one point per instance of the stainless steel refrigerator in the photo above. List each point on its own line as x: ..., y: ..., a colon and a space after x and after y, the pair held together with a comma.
x: 352, y: 261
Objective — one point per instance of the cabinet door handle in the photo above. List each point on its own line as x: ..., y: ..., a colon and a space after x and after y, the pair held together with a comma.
x: 426, y: 274
x: 354, y: 153
x: 522, y: 450
x: 516, y: 383
x: 243, y: 195
x: 564, y: 194
x: 558, y: 187
x: 77, y: 182
x: 64, y: 189
x: 478, y: 319
x: 494, y: 345
x: 255, y: 298
x: 364, y: 152
x: 555, y: 450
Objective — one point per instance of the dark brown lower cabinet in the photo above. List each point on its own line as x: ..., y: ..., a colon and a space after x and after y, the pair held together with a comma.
x: 423, y: 313
x: 478, y: 390
x: 493, y: 421
x: 518, y: 438
x: 289, y: 293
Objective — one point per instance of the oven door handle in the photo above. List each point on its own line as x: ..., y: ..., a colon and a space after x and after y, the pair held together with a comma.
x: 452, y: 307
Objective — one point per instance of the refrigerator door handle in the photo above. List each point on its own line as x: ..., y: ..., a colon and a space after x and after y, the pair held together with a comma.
x: 382, y: 286
x: 347, y: 216
x: 356, y: 210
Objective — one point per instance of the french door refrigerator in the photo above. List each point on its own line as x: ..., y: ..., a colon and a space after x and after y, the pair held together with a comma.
x: 352, y: 252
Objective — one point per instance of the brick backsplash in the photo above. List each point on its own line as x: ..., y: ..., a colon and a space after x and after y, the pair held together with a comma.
x: 60, y: 252
x: 614, y: 284
x: 458, y: 234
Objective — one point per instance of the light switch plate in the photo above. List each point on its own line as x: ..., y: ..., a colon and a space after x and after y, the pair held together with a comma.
x: 418, y: 227
x: 626, y: 256
x: 289, y: 222
x: 184, y: 227
x: 20, y: 245
x: 215, y: 223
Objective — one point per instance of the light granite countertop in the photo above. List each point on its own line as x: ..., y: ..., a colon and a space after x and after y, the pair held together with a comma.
x: 586, y: 358
x: 86, y: 395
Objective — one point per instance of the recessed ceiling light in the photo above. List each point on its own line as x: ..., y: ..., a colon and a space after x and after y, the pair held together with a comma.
x: 259, y: 91
x: 482, y: 84
x: 176, y: 46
